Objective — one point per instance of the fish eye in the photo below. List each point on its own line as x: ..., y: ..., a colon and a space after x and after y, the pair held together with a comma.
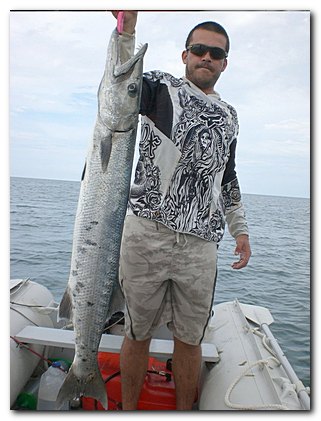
x: 132, y: 89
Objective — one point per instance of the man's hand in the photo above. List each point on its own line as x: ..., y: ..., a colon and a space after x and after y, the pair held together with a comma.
x: 130, y: 19
x: 242, y: 249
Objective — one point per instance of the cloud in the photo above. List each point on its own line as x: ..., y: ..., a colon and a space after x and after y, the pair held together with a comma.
x: 296, y: 126
x: 57, y: 60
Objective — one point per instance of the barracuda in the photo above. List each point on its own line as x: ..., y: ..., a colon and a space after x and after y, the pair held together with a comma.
x: 93, y: 280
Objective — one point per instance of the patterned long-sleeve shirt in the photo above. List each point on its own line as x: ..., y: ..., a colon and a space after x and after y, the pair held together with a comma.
x: 185, y: 176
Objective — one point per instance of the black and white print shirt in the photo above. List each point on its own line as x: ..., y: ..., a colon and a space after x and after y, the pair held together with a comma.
x: 185, y: 176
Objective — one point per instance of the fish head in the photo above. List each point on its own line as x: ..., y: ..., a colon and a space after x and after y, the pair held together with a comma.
x: 120, y: 94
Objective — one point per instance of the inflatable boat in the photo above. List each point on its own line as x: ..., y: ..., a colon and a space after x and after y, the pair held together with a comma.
x: 243, y: 367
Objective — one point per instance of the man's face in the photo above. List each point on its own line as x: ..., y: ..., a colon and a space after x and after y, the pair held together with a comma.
x: 204, y: 71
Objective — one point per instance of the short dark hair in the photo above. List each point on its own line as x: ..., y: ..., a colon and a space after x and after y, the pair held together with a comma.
x: 209, y: 26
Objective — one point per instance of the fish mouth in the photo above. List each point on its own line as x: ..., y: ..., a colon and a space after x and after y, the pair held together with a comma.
x: 125, y: 68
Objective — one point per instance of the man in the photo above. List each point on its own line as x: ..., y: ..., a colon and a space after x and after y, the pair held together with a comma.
x: 185, y: 186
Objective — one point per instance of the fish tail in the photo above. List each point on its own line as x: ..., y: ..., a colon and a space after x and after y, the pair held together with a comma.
x: 74, y: 387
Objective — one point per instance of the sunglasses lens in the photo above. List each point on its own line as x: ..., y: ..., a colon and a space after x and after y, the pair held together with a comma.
x: 198, y: 49
x: 217, y: 53
x: 201, y: 49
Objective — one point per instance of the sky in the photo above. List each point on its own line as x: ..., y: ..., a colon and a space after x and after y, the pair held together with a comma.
x: 57, y: 59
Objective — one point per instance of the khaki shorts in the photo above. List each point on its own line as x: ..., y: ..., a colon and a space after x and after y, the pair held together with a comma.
x: 167, y: 278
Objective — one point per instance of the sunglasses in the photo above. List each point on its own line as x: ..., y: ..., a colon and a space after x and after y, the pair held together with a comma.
x: 216, y: 53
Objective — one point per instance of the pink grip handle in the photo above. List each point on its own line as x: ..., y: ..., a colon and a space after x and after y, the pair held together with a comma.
x: 120, y: 22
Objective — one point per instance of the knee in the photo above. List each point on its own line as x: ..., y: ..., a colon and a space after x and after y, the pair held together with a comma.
x: 180, y: 346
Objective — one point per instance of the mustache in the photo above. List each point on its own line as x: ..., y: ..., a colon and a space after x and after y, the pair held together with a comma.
x: 204, y: 65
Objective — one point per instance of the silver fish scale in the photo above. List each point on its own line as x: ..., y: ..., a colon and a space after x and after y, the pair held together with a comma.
x: 99, y: 242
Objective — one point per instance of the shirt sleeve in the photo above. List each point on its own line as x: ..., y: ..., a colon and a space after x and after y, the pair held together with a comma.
x: 126, y: 43
x: 234, y: 209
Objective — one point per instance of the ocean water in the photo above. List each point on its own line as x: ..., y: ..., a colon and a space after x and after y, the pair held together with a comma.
x: 277, y: 277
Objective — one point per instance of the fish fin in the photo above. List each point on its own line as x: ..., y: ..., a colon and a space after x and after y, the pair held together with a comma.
x: 74, y: 387
x: 105, y: 150
x: 117, y: 301
x: 83, y: 172
x: 96, y: 389
x: 65, y: 306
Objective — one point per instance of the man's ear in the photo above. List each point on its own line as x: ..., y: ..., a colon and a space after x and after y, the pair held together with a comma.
x: 224, y: 65
x: 184, y: 56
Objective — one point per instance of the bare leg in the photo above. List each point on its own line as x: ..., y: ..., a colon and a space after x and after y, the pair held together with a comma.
x: 186, y: 369
x: 133, y: 367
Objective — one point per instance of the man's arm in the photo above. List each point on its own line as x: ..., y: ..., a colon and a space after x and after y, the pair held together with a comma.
x: 234, y: 212
x: 130, y: 19
x: 126, y: 40
x: 236, y: 221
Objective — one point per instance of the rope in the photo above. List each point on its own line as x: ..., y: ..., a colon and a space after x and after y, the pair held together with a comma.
x: 23, y: 315
x: 264, y: 342
x: 251, y: 407
x: 42, y: 357
x: 299, y: 386
x: 23, y: 345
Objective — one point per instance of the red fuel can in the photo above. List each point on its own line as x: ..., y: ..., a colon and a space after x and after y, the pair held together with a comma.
x: 158, y: 392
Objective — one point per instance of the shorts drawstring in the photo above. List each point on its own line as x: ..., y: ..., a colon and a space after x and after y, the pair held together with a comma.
x: 178, y: 236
